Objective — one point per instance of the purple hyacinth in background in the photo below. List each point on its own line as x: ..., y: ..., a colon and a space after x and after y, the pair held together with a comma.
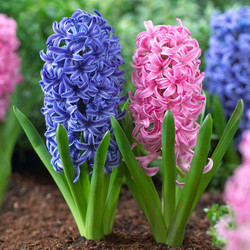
x: 228, y: 59
x: 82, y: 83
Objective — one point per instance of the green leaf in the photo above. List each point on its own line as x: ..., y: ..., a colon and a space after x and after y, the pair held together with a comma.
x: 137, y: 193
x: 39, y: 146
x: 125, y: 105
x: 103, y: 197
x: 41, y: 150
x: 149, y: 194
x: 214, y: 214
x: 221, y: 148
x: 218, y: 116
x: 5, y: 172
x: 70, y: 173
x: 84, y: 180
x: 112, y: 199
x: 179, y: 189
x: 177, y: 229
x: 94, y: 217
x: 219, y: 124
x: 128, y: 126
x: 202, y: 115
x: 169, y: 167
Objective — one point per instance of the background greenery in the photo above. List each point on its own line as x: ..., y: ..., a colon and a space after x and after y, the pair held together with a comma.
x: 35, y: 18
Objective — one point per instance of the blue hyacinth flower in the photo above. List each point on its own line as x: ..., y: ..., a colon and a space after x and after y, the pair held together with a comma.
x: 228, y: 59
x: 82, y: 82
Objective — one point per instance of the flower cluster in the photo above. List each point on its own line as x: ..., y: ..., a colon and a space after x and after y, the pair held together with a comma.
x: 82, y: 82
x: 9, y: 62
x: 166, y: 77
x: 237, y: 195
x: 227, y: 60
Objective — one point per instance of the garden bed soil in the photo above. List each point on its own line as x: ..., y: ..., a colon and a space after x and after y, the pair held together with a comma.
x: 35, y: 216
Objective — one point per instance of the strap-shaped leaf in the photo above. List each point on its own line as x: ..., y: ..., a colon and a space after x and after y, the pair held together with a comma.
x: 128, y: 126
x: 41, y: 150
x: 94, y: 226
x: 149, y: 197
x: 112, y: 199
x: 169, y: 167
x: 69, y: 171
x: 202, y: 115
x: 84, y: 180
x: 103, y: 197
x: 219, y: 124
x: 222, y: 147
x: 177, y: 229
x: 218, y: 116
x: 5, y: 171
x: 137, y: 193
x: 125, y: 105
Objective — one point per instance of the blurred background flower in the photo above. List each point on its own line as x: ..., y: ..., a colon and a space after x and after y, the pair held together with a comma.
x: 9, y: 78
x: 9, y: 62
x: 228, y: 59
x: 237, y: 193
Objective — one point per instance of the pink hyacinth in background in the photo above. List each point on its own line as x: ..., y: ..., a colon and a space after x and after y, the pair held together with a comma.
x: 9, y: 62
x: 167, y: 77
x: 237, y: 195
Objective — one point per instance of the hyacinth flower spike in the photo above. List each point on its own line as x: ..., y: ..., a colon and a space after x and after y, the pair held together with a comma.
x: 82, y: 83
x: 167, y: 105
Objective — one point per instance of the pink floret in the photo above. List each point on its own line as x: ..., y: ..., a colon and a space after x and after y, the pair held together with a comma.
x: 167, y: 77
x: 9, y: 62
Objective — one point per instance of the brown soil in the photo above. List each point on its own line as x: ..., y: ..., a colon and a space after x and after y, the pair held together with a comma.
x: 35, y: 216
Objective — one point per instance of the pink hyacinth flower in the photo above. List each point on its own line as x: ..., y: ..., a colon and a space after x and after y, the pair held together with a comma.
x: 167, y: 77
x: 9, y: 62
x: 237, y: 193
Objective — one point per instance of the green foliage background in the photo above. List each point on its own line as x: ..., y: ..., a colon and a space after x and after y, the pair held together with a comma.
x: 35, y: 17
